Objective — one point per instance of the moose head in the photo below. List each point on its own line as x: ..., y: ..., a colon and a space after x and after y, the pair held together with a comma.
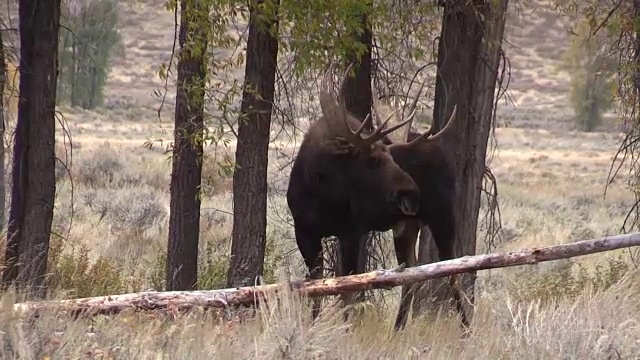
x: 343, y: 170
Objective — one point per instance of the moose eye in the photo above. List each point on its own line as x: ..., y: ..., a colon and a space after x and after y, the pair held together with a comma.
x: 373, y: 161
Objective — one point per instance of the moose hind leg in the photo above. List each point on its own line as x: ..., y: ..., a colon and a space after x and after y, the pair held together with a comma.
x: 362, y: 262
x: 405, y: 235
x: 310, y: 247
x: 443, y: 230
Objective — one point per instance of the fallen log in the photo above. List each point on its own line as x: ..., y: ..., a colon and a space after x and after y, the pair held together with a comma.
x: 183, y: 300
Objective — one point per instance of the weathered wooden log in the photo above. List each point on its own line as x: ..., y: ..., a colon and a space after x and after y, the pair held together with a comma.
x: 182, y: 300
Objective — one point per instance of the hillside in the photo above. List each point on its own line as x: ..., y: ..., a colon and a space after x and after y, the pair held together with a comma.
x: 535, y: 38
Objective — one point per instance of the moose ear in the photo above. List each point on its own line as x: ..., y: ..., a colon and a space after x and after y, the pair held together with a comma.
x: 338, y: 145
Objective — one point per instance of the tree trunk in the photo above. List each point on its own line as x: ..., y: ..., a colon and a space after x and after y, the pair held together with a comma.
x: 33, y: 188
x: 358, y: 100
x: 636, y: 6
x: 468, y: 58
x: 379, y: 279
x: 75, y: 70
x: 3, y: 127
x: 186, y: 173
x: 357, y: 89
x: 252, y: 152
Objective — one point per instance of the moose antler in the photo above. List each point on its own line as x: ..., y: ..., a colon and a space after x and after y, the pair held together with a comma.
x: 427, y: 136
x: 336, y: 113
x: 379, y: 108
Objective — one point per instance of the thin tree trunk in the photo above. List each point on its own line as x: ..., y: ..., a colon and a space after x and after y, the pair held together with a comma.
x: 252, y: 152
x: 357, y: 89
x: 358, y: 100
x: 33, y: 188
x: 94, y: 89
x: 636, y: 6
x: 468, y: 58
x: 74, y: 71
x: 3, y: 127
x: 186, y: 173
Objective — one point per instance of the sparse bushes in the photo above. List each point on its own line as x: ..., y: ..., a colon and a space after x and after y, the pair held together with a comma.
x: 100, y: 169
x: 127, y: 210
x: 110, y: 167
x: 124, y: 196
x: 62, y: 161
x: 565, y: 279
x: 74, y: 274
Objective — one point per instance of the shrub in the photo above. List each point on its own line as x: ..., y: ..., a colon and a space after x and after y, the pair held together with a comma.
x: 98, y: 168
x: 72, y: 273
x: 567, y: 280
x: 127, y: 210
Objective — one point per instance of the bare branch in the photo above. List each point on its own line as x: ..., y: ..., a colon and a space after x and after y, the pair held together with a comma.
x: 380, y: 279
x: 606, y: 18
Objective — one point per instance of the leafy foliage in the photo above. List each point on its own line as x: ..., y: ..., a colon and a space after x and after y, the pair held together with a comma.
x: 213, y: 264
x: 311, y: 35
x: 75, y: 273
x: 621, y: 22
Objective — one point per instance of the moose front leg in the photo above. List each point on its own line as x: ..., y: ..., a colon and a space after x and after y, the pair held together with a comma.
x: 351, y: 260
x: 405, y: 235
x: 310, y: 247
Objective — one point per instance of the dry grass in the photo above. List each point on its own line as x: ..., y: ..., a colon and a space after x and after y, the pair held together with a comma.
x: 111, y: 234
x: 598, y: 325
x: 550, y: 191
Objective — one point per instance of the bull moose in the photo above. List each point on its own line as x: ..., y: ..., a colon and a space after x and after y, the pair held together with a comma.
x: 346, y: 183
x: 426, y: 160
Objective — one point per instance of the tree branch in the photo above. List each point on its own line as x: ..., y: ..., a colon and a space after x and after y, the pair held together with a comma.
x: 385, y: 279
x: 606, y: 19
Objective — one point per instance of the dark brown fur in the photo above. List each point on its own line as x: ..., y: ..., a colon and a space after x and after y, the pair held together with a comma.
x: 430, y: 165
x: 339, y: 188
x: 344, y: 188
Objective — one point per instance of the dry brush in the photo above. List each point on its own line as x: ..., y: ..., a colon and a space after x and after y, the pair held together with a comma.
x: 380, y: 279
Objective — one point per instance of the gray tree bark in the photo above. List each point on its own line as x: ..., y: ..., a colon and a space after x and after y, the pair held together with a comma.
x: 468, y: 58
x: 252, y: 153
x: 3, y: 126
x: 186, y: 174
x: 33, y: 186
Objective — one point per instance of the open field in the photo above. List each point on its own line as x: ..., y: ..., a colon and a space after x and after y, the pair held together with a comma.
x: 112, y: 213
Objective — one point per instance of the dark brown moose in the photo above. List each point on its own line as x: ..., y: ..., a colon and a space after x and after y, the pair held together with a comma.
x: 426, y: 160
x: 345, y: 183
